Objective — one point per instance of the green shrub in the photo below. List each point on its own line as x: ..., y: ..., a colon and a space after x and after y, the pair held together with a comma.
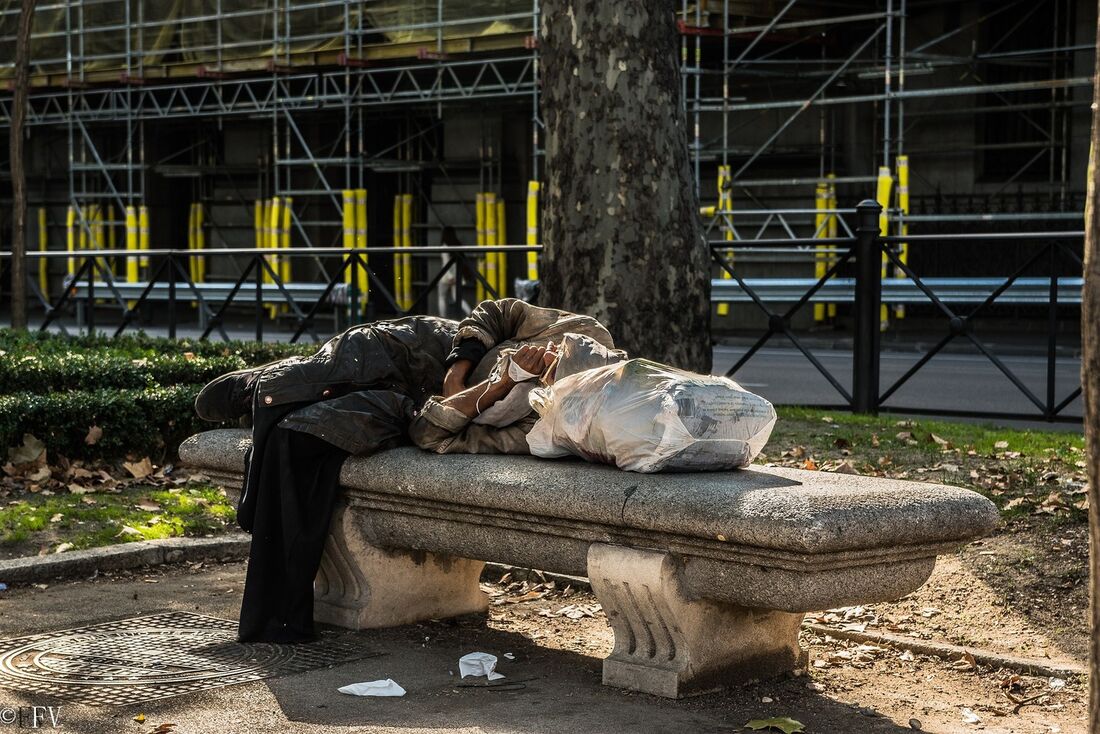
x: 90, y: 370
x: 150, y: 421
x: 139, y: 390
x: 137, y: 346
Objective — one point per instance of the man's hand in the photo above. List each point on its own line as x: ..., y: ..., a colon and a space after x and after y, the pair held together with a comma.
x: 455, y: 380
x: 530, y: 358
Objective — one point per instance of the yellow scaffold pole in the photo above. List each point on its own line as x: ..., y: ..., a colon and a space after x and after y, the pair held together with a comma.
x: 258, y: 223
x: 821, y: 230
x: 98, y: 240
x: 70, y: 239
x: 882, y: 196
x: 191, y: 265
x: 347, y: 225
x: 271, y: 223
x: 492, y: 267
x: 502, y: 257
x: 903, y: 205
x: 43, y: 245
x: 112, y: 238
x: 131, y: 244
x: 833, y: 224
x: 200, y: 244
x: 361, y: 243
x: 725, y: 204
x: 286, y: 272
x: 406, y: 257
x: 143, y: 236
x: 273, y: 239
x: 532, y: 229
x: 482, y: 266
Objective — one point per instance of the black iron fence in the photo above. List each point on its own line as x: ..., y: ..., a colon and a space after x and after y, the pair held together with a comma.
x: 852, y: 280
x: 854, y: 277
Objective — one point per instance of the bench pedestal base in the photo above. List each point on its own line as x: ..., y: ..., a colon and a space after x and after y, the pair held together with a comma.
x: 361, y: 586
x: 672, y: 646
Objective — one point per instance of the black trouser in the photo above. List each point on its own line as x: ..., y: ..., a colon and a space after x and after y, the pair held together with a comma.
x: 300, y: 480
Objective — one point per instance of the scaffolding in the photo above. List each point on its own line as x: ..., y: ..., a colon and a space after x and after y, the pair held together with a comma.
x: 782, y: 96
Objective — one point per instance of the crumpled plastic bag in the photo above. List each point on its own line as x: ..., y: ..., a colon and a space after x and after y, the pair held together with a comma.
x: 385, y: 687
x: 479, y: 663
x: 647, y: 417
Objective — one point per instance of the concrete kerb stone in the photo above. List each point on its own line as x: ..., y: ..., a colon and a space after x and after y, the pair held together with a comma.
x: 84, y: 563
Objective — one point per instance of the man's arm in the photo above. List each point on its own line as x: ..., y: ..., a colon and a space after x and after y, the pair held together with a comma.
x: 443, y: 423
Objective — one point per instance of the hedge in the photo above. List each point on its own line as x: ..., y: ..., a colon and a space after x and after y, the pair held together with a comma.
x: 150, y: 421
x: 94, y: 370
x: 139, y: 346
x: 139, y: 390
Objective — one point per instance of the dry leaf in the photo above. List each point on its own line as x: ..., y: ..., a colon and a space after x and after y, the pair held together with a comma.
x: 809, y: 465
x: 139, y: 469
x: 40, y: 474
x: 94, y: 434
x: 63, y: 547
x: 965, y: 663
x: 845, y: 468
x: 78, y: 489
x: 939, y: 441
x: 874, y: 440
x: 148, y: 506
x: 905, y: 436
x: 32, y: 451
x: 1014, y: 503
x: 1001, y: 445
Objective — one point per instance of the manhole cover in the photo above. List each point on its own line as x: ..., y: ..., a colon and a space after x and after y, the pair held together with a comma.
x: 162, y: 655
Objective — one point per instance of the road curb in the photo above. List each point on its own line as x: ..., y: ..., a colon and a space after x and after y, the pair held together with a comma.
x: 83, y: 563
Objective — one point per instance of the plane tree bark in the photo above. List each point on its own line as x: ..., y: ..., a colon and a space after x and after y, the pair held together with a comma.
x: 1090, y: 383
x: 621, y: 230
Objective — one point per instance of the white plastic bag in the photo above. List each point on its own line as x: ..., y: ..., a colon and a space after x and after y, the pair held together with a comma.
x: 647, y: 417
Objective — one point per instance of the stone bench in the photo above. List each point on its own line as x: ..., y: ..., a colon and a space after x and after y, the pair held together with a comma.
x: 705, y: 577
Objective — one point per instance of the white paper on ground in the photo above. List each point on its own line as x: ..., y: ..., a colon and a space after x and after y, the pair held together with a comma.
x: 479, y: 663
x: 373, y: 688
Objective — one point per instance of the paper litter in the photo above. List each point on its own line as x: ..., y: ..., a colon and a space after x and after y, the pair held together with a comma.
x: 373, y: 688
x: 479, y: 663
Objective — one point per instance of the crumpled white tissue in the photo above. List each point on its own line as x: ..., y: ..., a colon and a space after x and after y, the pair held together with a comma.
x: 373, y: 688
x: 479, y: 663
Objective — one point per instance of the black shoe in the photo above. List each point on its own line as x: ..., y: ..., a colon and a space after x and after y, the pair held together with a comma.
x: 228, y: 397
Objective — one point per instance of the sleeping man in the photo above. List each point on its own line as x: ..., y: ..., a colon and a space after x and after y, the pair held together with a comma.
x: 369, y: 388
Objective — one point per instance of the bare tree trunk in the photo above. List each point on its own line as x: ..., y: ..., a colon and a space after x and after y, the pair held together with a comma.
x: 1090, y: 383
x: 18, y: 174
x: 622, y: 235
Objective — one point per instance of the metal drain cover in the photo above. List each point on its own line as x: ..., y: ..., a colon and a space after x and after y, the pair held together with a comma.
x: 152, y: 657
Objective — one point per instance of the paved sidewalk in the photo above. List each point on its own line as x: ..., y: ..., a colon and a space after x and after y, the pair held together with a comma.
x: 563, y: 695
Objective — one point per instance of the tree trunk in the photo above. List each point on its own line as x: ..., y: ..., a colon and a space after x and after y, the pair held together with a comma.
x: 18, y: 174
x: 1090, y: 383
x: 622, y: 235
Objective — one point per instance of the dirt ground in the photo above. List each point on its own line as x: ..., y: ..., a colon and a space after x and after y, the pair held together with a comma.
x: 558, y: 636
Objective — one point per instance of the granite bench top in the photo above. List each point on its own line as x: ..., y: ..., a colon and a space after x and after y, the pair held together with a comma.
x: 765, y: 531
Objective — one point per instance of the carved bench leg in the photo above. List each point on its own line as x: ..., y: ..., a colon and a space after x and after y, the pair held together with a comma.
x: 672, y: 646
x: 361, y: 586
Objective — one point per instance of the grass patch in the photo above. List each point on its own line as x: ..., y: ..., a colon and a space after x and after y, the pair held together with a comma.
x: 75, y: 521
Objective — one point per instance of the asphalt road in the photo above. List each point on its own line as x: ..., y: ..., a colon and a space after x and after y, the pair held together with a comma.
x: 956, y: 382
